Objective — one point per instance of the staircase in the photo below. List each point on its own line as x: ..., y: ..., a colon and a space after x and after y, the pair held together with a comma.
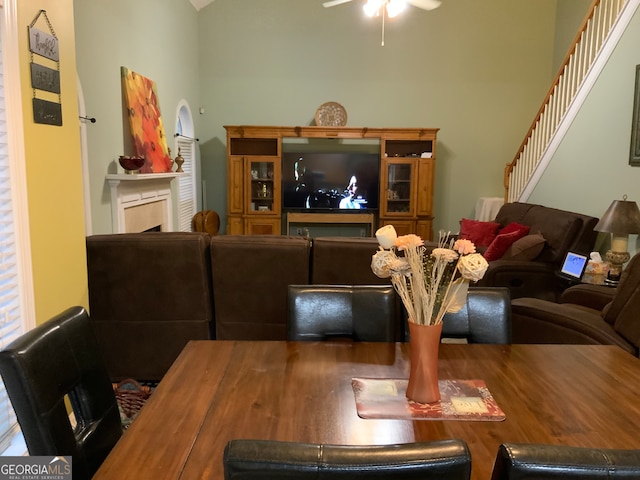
x: 603, y: 26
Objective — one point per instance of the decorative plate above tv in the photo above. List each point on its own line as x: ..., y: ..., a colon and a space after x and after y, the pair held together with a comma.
x: 331, y: 114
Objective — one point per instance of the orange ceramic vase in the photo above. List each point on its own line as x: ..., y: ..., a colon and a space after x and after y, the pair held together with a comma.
x: 423, y: 374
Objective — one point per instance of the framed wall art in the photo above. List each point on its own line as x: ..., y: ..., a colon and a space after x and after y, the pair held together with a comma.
x: 634, y: 154
x: 145, y: 122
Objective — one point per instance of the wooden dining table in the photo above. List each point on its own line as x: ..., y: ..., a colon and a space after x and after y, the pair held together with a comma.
x: 584, y: 395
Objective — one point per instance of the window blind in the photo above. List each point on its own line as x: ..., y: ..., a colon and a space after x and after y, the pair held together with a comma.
x: 11, y: 288
x: 186, y: 185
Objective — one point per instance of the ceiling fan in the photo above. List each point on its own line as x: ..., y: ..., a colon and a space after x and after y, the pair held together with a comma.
x: 392, y: 8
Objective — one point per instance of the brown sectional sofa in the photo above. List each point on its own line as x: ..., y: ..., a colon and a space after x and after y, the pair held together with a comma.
x: 562, y: 230
x: 150, y: 293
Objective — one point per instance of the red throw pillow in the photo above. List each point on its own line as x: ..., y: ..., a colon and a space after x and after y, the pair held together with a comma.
x: 480, y: 233
x: 515, y: 227
x: 500, y: 245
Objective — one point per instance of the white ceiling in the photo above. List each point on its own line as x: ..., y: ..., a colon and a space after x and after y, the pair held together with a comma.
x: 199, y: 4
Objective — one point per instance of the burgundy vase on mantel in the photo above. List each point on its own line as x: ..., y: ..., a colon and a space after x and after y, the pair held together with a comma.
x: 423, y: 374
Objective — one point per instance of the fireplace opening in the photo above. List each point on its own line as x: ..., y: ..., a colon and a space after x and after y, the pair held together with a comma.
x: 141, y: 203
x: 148, y: 217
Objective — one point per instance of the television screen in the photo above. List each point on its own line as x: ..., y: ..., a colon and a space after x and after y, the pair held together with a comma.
x: 330, y: 181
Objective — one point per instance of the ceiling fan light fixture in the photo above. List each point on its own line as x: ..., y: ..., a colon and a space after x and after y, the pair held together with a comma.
x: 395, y: 7
x: 372, y: 7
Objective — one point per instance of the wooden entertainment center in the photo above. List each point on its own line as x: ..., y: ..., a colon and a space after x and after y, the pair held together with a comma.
x: 254, y: 179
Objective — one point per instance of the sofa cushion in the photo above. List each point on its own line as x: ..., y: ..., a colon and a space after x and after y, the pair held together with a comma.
x: 501, y: 243
x: 251, y: 278
x: 351, y: 254
x: 515, y: 227
x: 525, y: 248
x: 480, y: 233
x: 539, y: 321
x: 560, y: 229
x: 149, y: 294
x: 513, y: 212
x: 622, y: 312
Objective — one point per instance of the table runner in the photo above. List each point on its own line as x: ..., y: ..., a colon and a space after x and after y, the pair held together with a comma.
x: 460, y: 400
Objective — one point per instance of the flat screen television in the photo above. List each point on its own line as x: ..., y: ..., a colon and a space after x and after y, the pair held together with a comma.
x: 344, y: 181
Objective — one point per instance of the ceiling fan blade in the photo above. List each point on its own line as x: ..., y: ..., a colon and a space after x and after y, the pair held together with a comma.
x: 333, y: 3
x: 425, y: 4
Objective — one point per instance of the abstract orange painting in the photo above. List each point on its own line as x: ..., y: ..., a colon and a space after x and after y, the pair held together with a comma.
x: 145, y: 121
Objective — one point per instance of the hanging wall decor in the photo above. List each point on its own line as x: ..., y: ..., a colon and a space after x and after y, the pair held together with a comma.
x: 145, y: 122
x: 45, y: 78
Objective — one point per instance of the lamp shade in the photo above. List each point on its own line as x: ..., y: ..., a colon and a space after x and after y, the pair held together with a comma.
x: 622, y: 217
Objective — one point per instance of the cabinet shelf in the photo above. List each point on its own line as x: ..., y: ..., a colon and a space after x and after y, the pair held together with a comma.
x: 408, y: 148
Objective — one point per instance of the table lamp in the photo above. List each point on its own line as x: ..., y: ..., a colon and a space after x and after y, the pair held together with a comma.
x: 621, y: 219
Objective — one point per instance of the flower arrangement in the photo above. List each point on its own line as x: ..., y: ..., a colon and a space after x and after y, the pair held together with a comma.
x: 429, y: 285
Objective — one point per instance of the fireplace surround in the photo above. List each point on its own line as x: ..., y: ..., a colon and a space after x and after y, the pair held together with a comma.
x: 141, y: 202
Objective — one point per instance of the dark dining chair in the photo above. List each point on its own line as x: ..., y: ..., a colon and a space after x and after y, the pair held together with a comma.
x: 260, y: 459
x: 518, y: 461
x: 359, y: 312
x: 486, y: 317
x: 59, y: 360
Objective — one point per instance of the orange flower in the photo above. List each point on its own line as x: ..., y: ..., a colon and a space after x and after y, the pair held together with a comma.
x: 464, y: 247
x: 408, y: 241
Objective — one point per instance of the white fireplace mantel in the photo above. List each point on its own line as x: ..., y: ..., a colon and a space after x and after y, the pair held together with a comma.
x: 135, y: 190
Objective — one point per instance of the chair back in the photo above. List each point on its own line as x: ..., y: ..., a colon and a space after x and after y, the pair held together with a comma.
x: 562, y: 462
x: 259, y: 459
x: 486, y: 317
x: 361, y: 312
x: 56, y: 360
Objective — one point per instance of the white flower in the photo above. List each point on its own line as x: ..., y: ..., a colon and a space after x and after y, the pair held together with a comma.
x: 381, y: 261
x: 444, y: 254
x: 400, y: 266
x: 472, y: 267
x: 428, y: 287
x: 386, y: 236
x: 385, y: 263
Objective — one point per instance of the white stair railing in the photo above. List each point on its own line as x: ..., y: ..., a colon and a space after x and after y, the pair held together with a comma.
x: 602, y: 28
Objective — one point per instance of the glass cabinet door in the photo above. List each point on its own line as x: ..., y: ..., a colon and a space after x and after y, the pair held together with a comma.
x: 263, y: 188
x: 399, y: 188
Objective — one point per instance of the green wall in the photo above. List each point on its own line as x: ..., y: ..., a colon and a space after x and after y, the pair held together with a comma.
x: 591, y: 166
x: 476, y: 70
x: 157, y: 39
x: 569, y: 18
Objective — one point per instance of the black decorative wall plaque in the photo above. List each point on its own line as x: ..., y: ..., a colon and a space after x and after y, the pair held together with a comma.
x: 49, y: 113
x: 44, y: 78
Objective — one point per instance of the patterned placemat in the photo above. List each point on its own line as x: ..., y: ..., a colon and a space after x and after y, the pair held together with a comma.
x: 460, y: 400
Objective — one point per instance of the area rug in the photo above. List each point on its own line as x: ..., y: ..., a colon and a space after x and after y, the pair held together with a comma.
x: 460, y: 400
